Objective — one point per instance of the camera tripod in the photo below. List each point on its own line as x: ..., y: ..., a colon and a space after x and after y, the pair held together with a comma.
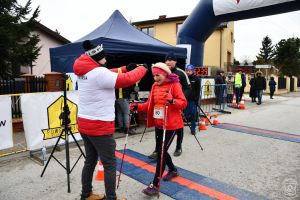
x: 66, y: 131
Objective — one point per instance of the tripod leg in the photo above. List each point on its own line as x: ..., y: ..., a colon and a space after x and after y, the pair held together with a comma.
x: 190, y: 126
x: 77, y: 143
x: 51, y: 155
x: 67, y: 161
x: 198, y: 142
x: 205, y: 115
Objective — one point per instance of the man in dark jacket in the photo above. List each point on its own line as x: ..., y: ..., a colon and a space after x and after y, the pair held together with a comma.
x: 220, y: 86
x: 171, y: 61
x: 243, y: 86
x: 260, y: 85
x: 191, y: 109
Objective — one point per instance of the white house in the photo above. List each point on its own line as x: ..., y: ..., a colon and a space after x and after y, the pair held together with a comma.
x: 48, y: 39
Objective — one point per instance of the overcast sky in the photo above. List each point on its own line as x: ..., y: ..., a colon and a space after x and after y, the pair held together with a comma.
x: 74, y: 19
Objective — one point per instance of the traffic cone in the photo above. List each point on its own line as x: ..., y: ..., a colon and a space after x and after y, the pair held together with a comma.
x: 233, y: 103
x: 202, y: 125
x: 215, y: 122
x: 242, y: 105
x: 100, y: 173
x: 207, y: 119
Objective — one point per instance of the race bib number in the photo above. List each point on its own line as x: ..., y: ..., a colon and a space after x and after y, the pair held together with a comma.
x: 158, y: 113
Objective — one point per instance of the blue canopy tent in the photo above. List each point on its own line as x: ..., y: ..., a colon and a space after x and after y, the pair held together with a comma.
x: 122, y: 43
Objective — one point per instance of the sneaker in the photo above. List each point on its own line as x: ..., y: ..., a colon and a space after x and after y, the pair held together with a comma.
x: 121, y: 198
x: 193, y: 132
x: 177, y: 152
x: 153, y: 155
x: 170, y: 175
x: 151, y: 190
x: 95, y: 197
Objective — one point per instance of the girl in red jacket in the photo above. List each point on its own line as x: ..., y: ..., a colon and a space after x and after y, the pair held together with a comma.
x: 166, y: 91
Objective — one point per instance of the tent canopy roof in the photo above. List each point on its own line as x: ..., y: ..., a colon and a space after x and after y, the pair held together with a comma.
x: 117, y: 36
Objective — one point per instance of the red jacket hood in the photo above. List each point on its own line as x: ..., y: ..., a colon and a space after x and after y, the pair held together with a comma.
x: 84, y: 64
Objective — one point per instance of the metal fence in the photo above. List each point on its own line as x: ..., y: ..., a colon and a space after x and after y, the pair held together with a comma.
x: 281, y: 83
x: 21, y: 85
x: 216, y: 98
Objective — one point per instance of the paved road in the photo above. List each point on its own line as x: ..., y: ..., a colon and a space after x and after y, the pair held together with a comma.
x: 265, y: 166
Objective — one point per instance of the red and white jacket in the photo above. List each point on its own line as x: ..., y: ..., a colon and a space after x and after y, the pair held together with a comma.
x: 156, y: 102
x: 96, y: 87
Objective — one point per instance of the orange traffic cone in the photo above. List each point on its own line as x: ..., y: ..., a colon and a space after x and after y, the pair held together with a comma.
x: 233, y: 103
x: 202, y: 125
x: 242, y: 105
x: 100, y: 173
x: 207, y: 119
x: 215, y: 119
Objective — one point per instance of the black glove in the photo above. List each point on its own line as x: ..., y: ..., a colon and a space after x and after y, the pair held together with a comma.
x: 133, y: 106
x: 130, y: 67
x: 146, y: 66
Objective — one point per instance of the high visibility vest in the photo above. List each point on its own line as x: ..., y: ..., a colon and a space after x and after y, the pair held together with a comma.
x: 120, y: 89
x: 238, y: 80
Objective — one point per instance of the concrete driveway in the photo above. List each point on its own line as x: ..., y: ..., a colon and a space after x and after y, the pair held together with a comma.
x: 265, y: 166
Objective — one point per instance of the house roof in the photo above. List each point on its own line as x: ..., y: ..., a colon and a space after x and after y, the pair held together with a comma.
x: 117, y: 37
x: 164, y: 18
x: 51, y: 33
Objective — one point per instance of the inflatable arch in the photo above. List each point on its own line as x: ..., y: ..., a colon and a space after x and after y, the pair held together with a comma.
x: 208, y: 15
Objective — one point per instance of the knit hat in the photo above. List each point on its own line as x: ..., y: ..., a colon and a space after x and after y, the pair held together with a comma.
x: 171, y: 56
x: 190, y: 67
x: 95, y: 52
x: 161, y: 66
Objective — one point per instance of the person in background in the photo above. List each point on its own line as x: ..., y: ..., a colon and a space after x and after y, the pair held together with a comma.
x: 193, y: 99
x: 220, y: 89
x: 230, y: 87
x: 171, y: 61
x: 122, y: 106
x: 252, y: 92
x: 272, y: 85
x: 260, y: 85
x: 96, y: 115
x: 238, y: 86
x: 243, y: 76
x: 166, y: 91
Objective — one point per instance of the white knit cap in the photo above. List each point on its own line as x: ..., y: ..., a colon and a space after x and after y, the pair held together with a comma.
x: 162, y: 66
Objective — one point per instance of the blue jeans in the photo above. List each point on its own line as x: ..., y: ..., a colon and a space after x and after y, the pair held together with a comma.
x: 191, y: 114
x: 259, y: 94
x: 122, y: 113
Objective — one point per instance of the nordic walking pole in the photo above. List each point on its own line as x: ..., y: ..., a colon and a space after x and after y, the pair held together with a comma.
x: 143, y: 133
x: 162, y: 148
x: 124, y: 150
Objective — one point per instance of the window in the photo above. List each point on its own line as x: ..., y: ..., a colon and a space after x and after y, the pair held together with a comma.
x: 148, y: 31
x: 178, y: 28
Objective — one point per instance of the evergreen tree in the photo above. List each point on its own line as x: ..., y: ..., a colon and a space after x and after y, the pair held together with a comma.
x: 236, y: 62
x: 18, y: 46
x: 287, y: 56
x: 266, y: 53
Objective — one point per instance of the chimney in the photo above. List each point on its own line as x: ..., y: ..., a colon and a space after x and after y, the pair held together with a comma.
x: 162, y: 17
